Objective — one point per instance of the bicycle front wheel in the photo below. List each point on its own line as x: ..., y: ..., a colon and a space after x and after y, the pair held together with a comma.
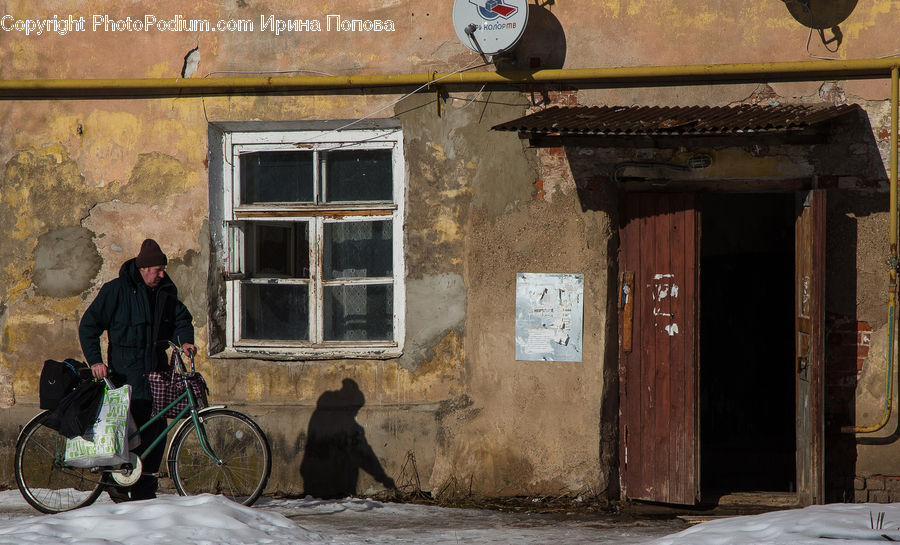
x: 42, y: 476
x: 241, y: 447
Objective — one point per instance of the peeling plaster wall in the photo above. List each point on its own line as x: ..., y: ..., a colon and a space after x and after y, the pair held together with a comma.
x: 65, y: 262
x: 63, y: 237
x: 472, y: 208
x: 527, y: 443
x: 84, y: 181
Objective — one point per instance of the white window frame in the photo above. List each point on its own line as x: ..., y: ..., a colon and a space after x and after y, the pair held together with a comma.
x: 236, y: 143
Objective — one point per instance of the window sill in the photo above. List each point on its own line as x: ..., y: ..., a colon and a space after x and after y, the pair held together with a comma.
x: 268, y: 211
x: 287, y: 354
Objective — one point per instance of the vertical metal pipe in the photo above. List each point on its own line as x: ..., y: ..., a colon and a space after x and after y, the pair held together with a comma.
x: 895, y: 96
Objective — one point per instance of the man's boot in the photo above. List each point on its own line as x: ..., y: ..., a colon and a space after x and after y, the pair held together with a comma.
x: 117, y: 494
x: 145, y: 488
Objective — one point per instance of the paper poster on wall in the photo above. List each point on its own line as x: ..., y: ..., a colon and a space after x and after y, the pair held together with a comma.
x: 549, y: 317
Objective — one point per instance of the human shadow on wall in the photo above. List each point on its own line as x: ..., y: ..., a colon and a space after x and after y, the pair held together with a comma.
x: 336, y: 446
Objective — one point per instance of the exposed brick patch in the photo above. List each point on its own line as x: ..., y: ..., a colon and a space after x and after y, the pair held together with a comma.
x: 892, y: 485
x: 555, y: 171
x: 563, y: 98
x: 876, y: 482
x: 542, y: 98
x: 879, y: 496
x: 848, y: 340
x: 764, y: 94
x: 876, y: 489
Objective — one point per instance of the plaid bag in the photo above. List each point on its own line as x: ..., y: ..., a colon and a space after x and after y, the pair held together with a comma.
x: 167, y: 385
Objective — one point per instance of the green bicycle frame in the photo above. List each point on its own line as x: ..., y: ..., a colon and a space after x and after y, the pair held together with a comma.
x: 198, y: 427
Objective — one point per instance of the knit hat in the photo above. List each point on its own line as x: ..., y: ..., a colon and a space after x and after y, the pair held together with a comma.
x: 150, y: 255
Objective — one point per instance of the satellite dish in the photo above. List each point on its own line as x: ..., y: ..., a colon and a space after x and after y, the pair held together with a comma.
x: 821, y: 14
x: 490, y: 26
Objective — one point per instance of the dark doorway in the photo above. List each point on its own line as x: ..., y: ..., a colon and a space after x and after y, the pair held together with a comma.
x: 747, y: 375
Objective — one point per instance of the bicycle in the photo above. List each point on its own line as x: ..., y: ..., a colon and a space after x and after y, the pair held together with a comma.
x: 216, y: 450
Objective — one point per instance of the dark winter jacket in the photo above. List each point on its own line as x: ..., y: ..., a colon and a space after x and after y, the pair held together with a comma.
x: 137, y: 339
x: 77, y: 411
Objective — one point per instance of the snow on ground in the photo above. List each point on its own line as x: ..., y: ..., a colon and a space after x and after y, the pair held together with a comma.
x: 203, y: 519
x: 367, y: 521
x: 212, y: 520
x: 833, y: 524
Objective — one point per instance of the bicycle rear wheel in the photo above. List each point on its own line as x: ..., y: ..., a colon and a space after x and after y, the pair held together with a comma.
x: 42, y: 476
x: 237, y: 441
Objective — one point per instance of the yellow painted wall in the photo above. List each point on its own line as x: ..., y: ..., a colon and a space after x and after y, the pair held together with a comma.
x: 121, y: 170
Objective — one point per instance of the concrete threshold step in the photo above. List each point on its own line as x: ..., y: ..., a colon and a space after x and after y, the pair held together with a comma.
x: 759, y: 499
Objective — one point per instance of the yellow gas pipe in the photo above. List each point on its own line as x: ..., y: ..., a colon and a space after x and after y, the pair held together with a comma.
x: 638, y: 76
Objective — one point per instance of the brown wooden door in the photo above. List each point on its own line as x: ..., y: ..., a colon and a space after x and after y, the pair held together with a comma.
x: 658, y: 369
x: 809, y: 319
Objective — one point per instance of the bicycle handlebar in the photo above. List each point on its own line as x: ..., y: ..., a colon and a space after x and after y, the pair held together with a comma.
x: 178, y: 351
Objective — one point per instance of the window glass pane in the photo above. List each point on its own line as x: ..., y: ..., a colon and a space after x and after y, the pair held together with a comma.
x: 274, y: 312
x: 358, y: 176
x: 276, y: 176
x: 357, y: 249
x: 359, y: 313
x: 279, y: 250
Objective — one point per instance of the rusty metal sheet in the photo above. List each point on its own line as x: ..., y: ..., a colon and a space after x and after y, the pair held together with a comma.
x: 674, y: 120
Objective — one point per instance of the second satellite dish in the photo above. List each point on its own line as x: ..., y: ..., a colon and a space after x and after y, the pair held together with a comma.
x: 490, y: 27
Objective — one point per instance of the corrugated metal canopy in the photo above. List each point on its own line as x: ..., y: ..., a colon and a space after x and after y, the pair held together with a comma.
x: 673, y: 120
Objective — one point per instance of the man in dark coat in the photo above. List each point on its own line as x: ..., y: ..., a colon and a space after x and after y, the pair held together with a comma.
x: 140, y: 313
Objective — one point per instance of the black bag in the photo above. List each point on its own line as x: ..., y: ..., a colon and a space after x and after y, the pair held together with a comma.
x: 59, y: 378
x: 77, y: 412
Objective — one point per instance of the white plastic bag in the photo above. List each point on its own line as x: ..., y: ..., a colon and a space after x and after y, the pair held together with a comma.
x: 106, y: 442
